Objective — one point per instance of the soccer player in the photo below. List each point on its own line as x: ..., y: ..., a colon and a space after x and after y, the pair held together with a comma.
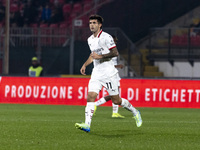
x: 105, y: 99
x: 104, y: 73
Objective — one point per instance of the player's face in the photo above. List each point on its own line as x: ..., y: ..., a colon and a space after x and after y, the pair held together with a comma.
x: 94, y: 26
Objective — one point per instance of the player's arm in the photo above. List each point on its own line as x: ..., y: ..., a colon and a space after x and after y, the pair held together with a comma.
x: 113, y: 53
x: 88, y: 61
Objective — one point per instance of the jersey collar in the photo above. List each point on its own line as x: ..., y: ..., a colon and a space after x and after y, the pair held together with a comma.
x: 98, y: 35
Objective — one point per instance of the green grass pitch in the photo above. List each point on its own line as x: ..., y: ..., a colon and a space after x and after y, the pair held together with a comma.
x: 49, y: 127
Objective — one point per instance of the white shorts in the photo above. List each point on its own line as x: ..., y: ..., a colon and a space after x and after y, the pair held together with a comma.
x: 118, y: 80
x: 111, y: 85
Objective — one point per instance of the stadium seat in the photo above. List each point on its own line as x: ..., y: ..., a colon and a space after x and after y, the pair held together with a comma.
x: 195, y: 40
x: 34, y: 25
x: 14, y: 8
x: 46, y: 32
x: 43, y: 25
x: 179, y: 40
x: 87, y: 7
x: 63, y: 28
x: 88, y: 1
x: 62, y: 2
x: 198, y: 40
x: 67, y: 8
x: 85, y: 21
x: 54, y: 25
x: 77, y: 8
x: 53, y: 31
x: 183, y: 40
x: 63, y: 25
x: 175, y: 40
x: 71, y: 17
x: 51, y: 1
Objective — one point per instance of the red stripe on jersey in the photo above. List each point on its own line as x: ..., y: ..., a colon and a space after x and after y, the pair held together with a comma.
x: 112, y: 47
x: 99, y: 34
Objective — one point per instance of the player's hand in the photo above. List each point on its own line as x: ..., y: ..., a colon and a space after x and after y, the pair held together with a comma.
x: 95, y: 55
x: 82, y: 70
x: 121, y: 66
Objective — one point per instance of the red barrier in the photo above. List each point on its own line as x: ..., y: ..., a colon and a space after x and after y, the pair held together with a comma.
x: 162, y: 93
x: 73, y: 91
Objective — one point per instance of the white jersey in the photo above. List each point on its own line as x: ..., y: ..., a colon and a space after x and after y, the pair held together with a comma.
x: 101, y: 44
x: 115, y: 60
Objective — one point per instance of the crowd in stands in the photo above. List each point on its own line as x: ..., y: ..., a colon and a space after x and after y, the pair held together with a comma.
x: 194, y: 27
x: 183, y: 38
x: 36, y: 13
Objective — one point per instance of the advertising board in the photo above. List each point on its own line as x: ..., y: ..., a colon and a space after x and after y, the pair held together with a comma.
x: 73, y: 91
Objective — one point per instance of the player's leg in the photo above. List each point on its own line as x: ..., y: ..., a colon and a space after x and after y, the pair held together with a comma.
x: 102, y: 100
x: 105, y: 99
x: 115, y: 113
x: 94, y: 88
x: 127, y: 105
x: 89, y: 110
x: 124, y: 103
x: 116, y: 99
x: 115, y: 109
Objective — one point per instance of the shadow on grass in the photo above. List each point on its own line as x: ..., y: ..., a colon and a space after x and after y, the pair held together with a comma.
x: 116, y: 133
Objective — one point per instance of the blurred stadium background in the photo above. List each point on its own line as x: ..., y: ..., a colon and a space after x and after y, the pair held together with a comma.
x: 156, y: 38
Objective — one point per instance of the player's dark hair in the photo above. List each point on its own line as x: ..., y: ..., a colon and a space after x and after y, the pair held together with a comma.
x: 97, y: 17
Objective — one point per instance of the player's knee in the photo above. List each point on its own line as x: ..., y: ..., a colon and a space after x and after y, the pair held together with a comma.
x: 91, y: 97
x: 116, y: 101
x: 107, y: 98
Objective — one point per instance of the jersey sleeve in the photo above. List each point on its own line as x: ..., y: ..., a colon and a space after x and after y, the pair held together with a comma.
x: 109, y: 42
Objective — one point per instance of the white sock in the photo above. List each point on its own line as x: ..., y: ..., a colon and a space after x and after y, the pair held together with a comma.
x: 89, y: 110
x: 115, y: 108
x: 100, y: 101
x: 127, y: 105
